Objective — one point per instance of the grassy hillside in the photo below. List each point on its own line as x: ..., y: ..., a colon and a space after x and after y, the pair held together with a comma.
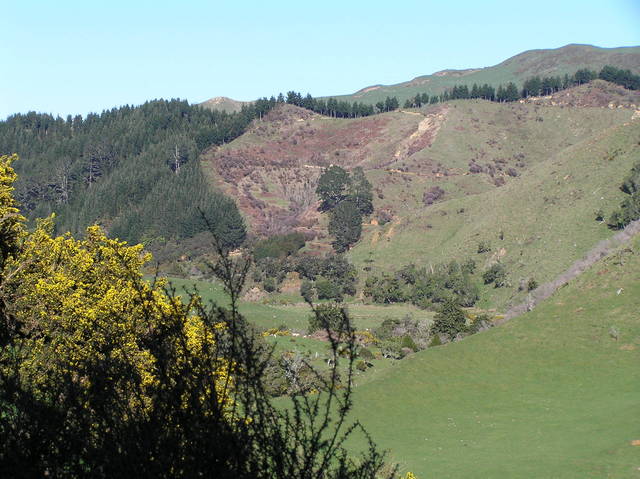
x: 552, y: 393
x: 526, y: 178
x: 549, y: 394
x: 552, y: 62
x: 574, y: 161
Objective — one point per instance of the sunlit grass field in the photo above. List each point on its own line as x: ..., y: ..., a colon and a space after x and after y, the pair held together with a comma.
x: 550, y: 394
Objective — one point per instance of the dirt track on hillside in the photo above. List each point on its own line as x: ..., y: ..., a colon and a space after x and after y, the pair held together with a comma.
x: 598, y: 252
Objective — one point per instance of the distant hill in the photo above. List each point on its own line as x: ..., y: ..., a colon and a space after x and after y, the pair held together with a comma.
x: 223, y: 103
x: 549, y: 62
x: 527, y: 176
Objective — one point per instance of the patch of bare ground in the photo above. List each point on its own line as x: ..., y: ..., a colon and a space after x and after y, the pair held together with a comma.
x: 456, y: 73
x: 424, y: 135
x: 273, y: 170
x: 367, y: 90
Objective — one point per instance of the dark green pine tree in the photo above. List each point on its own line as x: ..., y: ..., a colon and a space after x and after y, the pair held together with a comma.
x: 391, y: 103
x: 345, y: 225
x: 361, y: 193
x: 333, y: 187
x: 511, y: 92
x: 532, y: 87
x: 584, y: 76
x: 449, y: 320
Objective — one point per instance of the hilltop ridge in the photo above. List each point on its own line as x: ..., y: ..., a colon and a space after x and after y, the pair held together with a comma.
x: 537, y: 62
x: 224, y: 103
x: 552, y: 62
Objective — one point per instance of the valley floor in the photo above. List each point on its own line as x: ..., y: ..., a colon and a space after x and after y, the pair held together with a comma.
x: 552, y: 393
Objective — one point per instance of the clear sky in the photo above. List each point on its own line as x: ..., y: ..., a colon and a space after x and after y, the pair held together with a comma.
x: 79, y: 56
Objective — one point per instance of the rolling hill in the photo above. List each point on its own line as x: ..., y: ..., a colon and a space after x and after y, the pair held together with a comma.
x: 526, y: 178
x: 223, y: 103
x: 551, y: 393
x: 543, y: 62
x: 549, y: 62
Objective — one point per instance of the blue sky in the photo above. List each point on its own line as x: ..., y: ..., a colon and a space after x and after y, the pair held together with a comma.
x: 79, y: 56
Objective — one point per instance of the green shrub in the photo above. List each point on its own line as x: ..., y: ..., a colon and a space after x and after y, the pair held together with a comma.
x: 327, y: 289
x: 366, y: 353
x: 616, y: 221
x: 424, y: 287
x: 631, y: 183
x: 391, y: 348
x: 307, y: 290
x: 270, y: 285
x: 279, y: 246
x: 599, y: 215
x: 630, y: 208
x: 408, y: 342
x: 385, y: 330
x: 275, y: 381
x: 449, y: 320
x: 468, y: 266
x: 629, y: 211
x: 482, y: 320
x: 435, y: 341
x: 329, y: 316
x: 496, y: 274
x: 385, y: 289
x: 484, y: 247
x: 335, y: 268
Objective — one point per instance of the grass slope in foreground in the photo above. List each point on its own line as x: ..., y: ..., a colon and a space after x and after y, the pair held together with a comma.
x: 549, y: 394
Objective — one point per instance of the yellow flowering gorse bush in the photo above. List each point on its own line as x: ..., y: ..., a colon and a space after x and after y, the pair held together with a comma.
x: 83, y: 305
x: 104, y: 374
